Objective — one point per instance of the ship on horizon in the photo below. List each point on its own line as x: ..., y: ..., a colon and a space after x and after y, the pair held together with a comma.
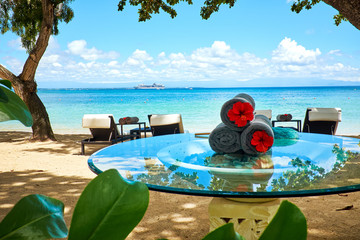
x: 152, y: 86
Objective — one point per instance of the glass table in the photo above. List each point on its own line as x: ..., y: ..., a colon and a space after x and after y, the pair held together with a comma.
x: 313, y: 164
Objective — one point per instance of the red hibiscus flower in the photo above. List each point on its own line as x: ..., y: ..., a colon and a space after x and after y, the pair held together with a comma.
x: 241, y: 113
x: 262, y: 141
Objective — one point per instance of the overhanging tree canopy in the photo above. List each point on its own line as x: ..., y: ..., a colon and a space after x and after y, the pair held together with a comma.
x: 349, y: 10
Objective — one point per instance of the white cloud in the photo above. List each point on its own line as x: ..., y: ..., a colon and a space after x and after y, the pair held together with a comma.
x: 139, y: 58
x: 113, y: 63
x: 16, y: 44
x: 79, y: 47
x: 218, y: 62
x: 289, y: 52
x: 141, y: 55
x: 336, y: 52
x: 14, y: 65
x: 219, y: 52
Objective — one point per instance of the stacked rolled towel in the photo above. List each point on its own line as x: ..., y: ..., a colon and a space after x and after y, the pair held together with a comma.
x: 284, y: 117
x: 239, y: 130
x: 224, y: 140
x: 258, y: 137
x: 238, y: 112
x: 128, y: 120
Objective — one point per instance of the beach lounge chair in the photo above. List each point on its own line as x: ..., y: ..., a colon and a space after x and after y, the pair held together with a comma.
x: 322, y: 120
x: 266, y: 113
x: 103, y: 130
x: 162, y: 124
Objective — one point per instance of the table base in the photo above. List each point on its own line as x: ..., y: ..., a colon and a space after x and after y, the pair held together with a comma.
x: 249, y: 216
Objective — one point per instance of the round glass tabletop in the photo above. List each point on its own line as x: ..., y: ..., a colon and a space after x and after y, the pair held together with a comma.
x: 314, y: 164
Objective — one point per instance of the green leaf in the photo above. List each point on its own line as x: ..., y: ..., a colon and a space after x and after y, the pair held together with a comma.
x: 288, y: 223
x: 225, y: 232
x: 6, y: 83
x: 34, y: 217
x: 13, y: 108
x: 109, y: 208
x: 3, y: 96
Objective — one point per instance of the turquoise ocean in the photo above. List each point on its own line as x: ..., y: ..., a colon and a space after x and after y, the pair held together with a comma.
x: 199, y: 107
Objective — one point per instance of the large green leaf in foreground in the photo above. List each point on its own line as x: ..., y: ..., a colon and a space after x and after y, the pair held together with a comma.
x: 6, y: 83
x: 225, y: 232
x: 34, y: 217
x: 109, y: 208
x: 13, y: 108
x: 288, y: 223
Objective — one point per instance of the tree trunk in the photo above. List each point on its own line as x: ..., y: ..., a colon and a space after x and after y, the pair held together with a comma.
x: 26, y: 90
x: 25, y: 85
x: 41, y: 127
x: 348, y: 8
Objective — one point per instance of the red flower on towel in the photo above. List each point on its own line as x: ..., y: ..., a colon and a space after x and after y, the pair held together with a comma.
x: 262, y: 141
x: 241, y: 113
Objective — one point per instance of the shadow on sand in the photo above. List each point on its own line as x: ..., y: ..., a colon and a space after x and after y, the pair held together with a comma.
x: 171, y: 216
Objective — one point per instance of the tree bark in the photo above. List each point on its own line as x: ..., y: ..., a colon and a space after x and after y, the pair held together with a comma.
x: 348, y: 8
x: 41, y: 128
x: 25, y: 85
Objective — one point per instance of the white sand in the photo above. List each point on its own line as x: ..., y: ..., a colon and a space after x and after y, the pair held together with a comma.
x: 57, y: 169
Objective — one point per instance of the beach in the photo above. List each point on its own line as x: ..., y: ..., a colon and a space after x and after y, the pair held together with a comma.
x: 57, y: 169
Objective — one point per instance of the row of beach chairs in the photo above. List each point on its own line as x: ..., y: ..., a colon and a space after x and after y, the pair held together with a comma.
x: 104, y: 129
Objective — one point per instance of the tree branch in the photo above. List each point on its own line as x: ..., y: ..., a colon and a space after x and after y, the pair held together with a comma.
x: 6, y: 74
x: 350, y: 9
x: 32, y: 62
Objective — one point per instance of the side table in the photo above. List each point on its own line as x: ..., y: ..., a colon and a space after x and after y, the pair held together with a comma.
x: 137, y: 131
x: 298, y: 123
x: 133, y: 134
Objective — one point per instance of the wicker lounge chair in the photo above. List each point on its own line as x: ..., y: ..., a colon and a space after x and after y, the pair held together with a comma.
x: 103, y: 130
x: 162, y: 124
x: 266, y: 113
x: 322, y: 120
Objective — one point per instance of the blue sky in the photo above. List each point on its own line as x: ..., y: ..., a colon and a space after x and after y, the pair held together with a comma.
x: 255, y: 43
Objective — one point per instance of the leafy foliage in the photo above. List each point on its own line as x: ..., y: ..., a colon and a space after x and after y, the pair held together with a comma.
x: 147, y: 8
x: 307, y: 4
x: 339, y: 18
x: 12, y: 107
x: 152, y: 7
x: 24, y: 18
x: 211, y: 6
x: 308, y: 173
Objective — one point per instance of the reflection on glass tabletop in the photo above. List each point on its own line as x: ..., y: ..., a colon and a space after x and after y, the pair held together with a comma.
x: 314, y: 164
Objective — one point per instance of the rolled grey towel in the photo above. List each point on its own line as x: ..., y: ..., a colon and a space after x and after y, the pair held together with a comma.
x: 122, y: 121
x: 224, y: 140
x: 128, y: 120
x: 237, y: 124
x: 284, y: 117
x: 258, y: 137
x: 131, y: 120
